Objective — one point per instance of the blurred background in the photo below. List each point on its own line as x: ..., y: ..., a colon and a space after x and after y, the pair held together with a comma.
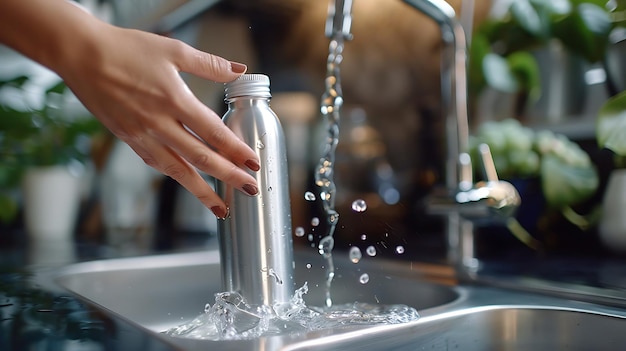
x: 539, y: 73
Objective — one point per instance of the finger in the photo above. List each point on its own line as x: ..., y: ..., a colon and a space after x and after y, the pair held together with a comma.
x: 199, y: 155
x: 207, y: 66
x: 205, y: 123
x: 170, y: 164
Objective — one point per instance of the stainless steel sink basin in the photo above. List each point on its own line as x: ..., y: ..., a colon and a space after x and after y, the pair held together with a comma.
x: 494, y: 328
x: 159, y: 292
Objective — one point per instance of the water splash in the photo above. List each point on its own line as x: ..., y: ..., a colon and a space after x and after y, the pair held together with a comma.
x: 230, y: 318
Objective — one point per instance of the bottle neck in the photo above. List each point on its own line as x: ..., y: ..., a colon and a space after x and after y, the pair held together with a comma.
x: 250, y: 101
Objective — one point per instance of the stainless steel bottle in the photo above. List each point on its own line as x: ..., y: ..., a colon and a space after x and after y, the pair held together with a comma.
x: 255, y: 241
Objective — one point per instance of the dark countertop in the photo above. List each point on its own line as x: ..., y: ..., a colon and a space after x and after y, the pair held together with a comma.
x: 36, y: 318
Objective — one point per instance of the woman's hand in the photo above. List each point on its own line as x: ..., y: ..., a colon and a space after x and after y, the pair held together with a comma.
x: 130, y: 80
x: 135, y: 89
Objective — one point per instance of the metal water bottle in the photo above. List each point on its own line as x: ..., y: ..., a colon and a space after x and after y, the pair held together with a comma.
x: 255, y: 240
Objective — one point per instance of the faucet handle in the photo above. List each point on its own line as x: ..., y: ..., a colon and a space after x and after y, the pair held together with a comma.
x: 488, y: 165
x: 502, y: 196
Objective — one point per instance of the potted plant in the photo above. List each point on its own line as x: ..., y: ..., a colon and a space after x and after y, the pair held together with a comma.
x: 504, y: 49
x: 44, y: 137
x: 563, y: 171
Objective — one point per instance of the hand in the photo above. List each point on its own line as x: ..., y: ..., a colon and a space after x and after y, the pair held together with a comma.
x: 131, y: 83
x: 130, y: 80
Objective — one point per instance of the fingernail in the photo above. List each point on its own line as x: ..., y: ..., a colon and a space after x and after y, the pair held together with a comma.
x: 220, y: 212
x: 250, y: 189
x: 253, y: 165
x: 237, y: 67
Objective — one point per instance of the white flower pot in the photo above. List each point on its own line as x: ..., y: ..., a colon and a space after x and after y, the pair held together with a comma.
x: 51, y: 202
x: 612, y: 228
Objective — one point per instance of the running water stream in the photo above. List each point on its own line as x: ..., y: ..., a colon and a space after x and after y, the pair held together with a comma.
x: 330, y: 107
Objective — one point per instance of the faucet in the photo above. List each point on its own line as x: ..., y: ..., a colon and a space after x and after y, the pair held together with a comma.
x: 493, y: 198
x: 461, y: 200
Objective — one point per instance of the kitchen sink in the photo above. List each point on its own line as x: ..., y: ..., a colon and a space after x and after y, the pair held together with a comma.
x: 509, y: 328
x: 159, y: 292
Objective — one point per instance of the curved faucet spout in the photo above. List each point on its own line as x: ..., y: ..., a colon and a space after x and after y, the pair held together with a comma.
x: 453, y: 83
x: 468, y: 200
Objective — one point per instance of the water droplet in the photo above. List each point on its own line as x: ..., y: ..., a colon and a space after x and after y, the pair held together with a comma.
x: 325, y: 247
x: 371, y: 250
x: 329, y: 302
x: 310, y: 237
x: 399, y: 249
x: 260, y: 145
x: 359, y: 205
x: 363, y: 237
x: 272, y: 273
x: 269, y: 188
x: 299, y: 232
x: 333, y: 217
x: 364, y: 278
x: 315, y: 221
x: 308, y: 266
x: 355, y: 254
x: 309, y: 196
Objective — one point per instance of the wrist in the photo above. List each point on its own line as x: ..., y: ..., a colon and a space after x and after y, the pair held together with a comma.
x: 54, y: 33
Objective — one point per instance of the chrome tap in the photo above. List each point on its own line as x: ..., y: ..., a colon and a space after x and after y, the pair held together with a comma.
x: 462, y: 200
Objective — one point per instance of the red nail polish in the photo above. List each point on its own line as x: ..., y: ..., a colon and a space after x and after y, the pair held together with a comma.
x: 220, y: 212
x: 238, y: 67
x: 250, y: 189
x: 253, y: 165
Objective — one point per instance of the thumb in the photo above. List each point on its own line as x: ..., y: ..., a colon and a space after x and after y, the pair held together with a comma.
x: 208, y: 66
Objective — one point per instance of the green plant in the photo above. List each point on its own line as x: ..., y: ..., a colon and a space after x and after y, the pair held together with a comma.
x: 42, y: 135
x: 611, y: 127
x: 500, y: 54
x: 567, y: 175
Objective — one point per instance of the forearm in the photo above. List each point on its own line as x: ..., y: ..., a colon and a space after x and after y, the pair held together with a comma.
x: 54, y: 33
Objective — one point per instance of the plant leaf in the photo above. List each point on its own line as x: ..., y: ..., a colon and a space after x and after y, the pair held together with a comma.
x: 611, y: 124
x: 8, y: 208
x: 527, y: 17
x: 525, y: 68
x: 498, y: 74
x: 565, y: 185
x: 479, y: 48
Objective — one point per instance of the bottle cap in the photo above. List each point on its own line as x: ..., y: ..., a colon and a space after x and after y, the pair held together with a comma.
x: 257, y: 85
